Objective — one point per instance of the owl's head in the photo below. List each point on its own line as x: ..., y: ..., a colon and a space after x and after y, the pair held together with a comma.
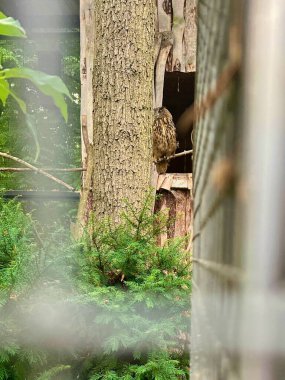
x: 162, y: 112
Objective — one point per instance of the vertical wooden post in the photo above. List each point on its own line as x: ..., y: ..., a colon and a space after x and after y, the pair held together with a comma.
x: 178, y: 63
x: 87, y: 25
x: 190, y: 36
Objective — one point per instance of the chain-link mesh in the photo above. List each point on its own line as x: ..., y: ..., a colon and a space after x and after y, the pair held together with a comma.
x: 217, y: 274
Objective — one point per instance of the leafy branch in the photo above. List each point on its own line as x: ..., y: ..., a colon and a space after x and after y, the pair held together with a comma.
x: 49, y: 85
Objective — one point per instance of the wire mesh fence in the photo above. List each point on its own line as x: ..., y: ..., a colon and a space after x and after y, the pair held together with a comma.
x: 238, y: 300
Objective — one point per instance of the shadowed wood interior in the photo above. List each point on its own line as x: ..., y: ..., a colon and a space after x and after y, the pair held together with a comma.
x: 178, y: 95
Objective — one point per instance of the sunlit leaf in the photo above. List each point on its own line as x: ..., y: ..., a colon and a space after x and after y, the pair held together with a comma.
x: 20, y: 101
x: 49, y: 85
x: 10, y: 27
x: 4, y: 90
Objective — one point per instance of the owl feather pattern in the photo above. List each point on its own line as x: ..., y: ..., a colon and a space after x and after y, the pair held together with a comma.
x: 164, y: 138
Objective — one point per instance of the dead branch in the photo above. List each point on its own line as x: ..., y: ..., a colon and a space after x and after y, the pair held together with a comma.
x: 38, y: 170
x: 181, y: 154
x: 68, y: 170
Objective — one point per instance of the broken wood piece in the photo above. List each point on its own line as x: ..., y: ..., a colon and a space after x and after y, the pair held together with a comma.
x: 190, y: 36
x: 164, y: 15
x: 176, y: 205
x: 174, y: 181
x: 166, y: 45
x: 167, y: 182
x: 160, y: 180
x: 180, y: 181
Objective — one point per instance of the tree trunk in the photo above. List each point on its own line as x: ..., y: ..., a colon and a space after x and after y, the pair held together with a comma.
x: 119, y: 159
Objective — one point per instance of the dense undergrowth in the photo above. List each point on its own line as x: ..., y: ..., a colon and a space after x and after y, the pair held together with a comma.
x: 112, y: 306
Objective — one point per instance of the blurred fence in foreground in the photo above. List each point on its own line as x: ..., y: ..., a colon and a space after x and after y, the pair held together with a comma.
x: 238, y: 305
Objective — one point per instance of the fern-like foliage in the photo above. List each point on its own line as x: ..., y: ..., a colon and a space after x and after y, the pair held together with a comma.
x: 124, y: 301
x: 52, y: 372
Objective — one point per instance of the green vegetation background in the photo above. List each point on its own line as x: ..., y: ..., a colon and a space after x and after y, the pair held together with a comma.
x: 111, y: 306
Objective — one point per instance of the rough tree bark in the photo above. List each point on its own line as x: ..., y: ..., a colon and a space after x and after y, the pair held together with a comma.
x: 119, y: 158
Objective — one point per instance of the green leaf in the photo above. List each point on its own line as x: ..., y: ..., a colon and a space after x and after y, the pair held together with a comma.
x: 49, y: 85
x: 11, y: 27
x: 4, y: 90
x: 20, y: 101
x: 30, y: 120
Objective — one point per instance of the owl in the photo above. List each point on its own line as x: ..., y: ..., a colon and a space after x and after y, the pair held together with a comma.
x: 164, y: 138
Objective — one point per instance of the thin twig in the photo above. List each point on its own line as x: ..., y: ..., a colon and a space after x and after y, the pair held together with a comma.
x: 181, y: 154
x: 45, y: 169
x: 36, y: 232
x: 41, y: 171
